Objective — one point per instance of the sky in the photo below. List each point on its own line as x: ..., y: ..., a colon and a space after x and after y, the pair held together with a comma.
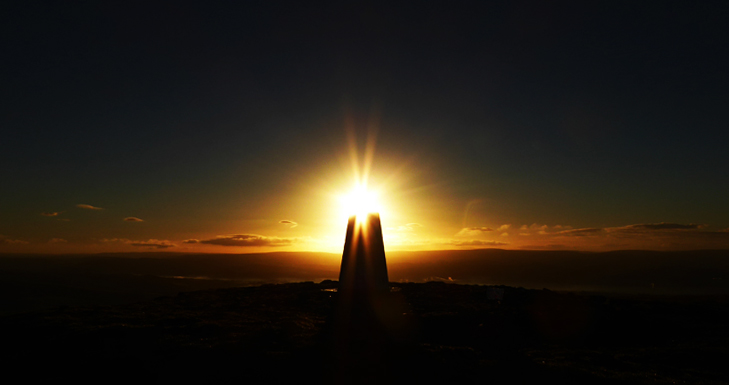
x: 237, y: 128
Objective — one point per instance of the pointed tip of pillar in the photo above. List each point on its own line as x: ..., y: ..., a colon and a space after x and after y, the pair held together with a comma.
x: 365, y: 217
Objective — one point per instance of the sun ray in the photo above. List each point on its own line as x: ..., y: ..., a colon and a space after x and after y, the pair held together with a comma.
x: 353, y: 148
x: 370, y: 145
x: 361, y: 200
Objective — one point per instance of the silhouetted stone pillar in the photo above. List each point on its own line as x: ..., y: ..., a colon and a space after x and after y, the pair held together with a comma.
x: 364, y: 269
x: 369, y: 334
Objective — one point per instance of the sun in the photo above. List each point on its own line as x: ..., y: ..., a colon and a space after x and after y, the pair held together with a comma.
x: 360, y: 201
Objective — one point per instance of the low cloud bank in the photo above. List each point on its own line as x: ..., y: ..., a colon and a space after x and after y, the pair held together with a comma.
x: 152, y: 243
x: 10, y: 241
x: 477, y: 242
x: 248, y: 240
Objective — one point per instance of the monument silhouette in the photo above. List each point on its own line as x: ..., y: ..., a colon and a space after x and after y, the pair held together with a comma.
x: 364, y: 268
x: 368, y: 327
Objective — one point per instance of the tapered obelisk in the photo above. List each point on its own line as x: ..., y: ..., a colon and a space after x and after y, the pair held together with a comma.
x: 364, y: 269
x: 368, y: 320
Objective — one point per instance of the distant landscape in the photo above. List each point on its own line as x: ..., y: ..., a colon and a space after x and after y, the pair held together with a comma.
x: 37, y: 282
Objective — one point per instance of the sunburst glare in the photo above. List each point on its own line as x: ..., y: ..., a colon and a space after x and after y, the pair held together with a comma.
x: 360, y: 201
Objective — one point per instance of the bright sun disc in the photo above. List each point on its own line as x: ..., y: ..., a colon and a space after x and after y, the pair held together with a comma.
x: 360, y: 202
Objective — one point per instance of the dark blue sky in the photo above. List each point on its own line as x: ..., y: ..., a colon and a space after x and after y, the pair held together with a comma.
x: 589, y: 115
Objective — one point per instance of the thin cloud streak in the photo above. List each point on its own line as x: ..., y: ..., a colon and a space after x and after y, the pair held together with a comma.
x: 657, y: 226
x: 657, y: 236
x: 580, y: 232
x: 88, y: 207
x: 477, y: 242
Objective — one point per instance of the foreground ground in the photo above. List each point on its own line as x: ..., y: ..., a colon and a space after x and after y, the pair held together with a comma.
x: 434, y: 332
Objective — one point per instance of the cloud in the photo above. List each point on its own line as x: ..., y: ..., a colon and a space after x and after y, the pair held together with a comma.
x: 248, y: 240
x: 154, y: 243
x: 8, y: 241
x: 477, y: 242
x: 670, y: 232
x: 288, y: 222
x: 545, y: 247
x: 407, y: 227
x: 580, y: 232
x: 88, y: 207
x: 15, y: 242
x: 479, y: 229
x: 472, y: 231
x: 541, y: 229
x: 57, y: 240
x: 657, y: 236
x: 648, y: 236
x: 658, y: 226
x: 439, y: 279
x: 503, y: 227
x: 637, y: 229
x: 53, y: 214
x: 191, y: 241
x: 658, y: 229
x: 133, y: 219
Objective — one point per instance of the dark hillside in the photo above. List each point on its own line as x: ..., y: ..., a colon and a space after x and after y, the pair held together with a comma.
x: 43, y: 282
x: 446, y: 333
